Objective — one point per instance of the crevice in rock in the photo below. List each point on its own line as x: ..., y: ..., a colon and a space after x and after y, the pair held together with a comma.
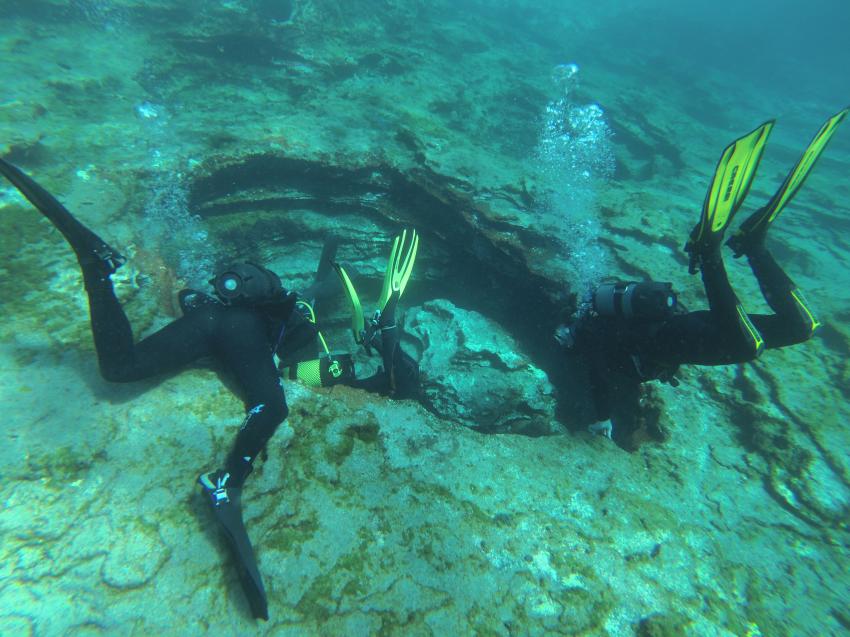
x: 466, y: 257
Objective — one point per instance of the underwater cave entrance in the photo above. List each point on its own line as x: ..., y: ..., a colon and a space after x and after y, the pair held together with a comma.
x: 294, y: 200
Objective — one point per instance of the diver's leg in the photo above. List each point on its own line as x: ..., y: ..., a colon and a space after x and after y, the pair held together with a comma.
x: 736, y: 330
x: 402, y: 370
x: 601, y: 384
x: 793, y: 321
x: 91, y: 250
x: 615, y: 397
x: 389, y: 342
x: 169, y: 349
x: 401, y: 383
x: 113, y: 337
x: 721, y: 336
x: 241, y: 343
x: 377, y: 383
x: 600, y: 388
x: 399, y: 376
x: 695, y: 338
x: 722, y: 300
x: 405, y: 375
x: 625, y: 411
x: 119, y: 359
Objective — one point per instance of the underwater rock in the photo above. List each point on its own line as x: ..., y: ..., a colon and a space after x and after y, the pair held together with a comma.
x: 370, y: 516
x: 133, y: 564
x: 474, y: 373
x: 660, y: 625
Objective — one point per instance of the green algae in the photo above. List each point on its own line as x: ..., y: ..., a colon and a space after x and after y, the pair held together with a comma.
x: 586, y: 604
x: 663, y: 625
x: 347, y: 576
x: 62, y: 466
x: 335, y: 452
x: 26, y: 270
x: 790, y: 466
x: 292, y: 536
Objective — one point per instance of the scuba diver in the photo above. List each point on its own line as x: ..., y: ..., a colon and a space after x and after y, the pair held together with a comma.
x: 630, y: 333
x: 250, y: 319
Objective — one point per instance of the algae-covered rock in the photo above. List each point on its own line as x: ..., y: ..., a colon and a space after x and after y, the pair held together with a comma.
x: 474, y: 373
x: 282, y: 123
x: 133, y: 564
x: 669, y: 625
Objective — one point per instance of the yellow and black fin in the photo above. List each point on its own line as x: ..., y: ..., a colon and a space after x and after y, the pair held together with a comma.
x: 732, y: 180
x: 87, y: 245
x: 358, y: 324
x: 399, y: 267
x: 753, y: 230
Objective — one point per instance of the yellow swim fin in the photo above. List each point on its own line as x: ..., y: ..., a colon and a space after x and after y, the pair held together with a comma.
x: 731, y: 183
x: 358, y: 324
x: 753, y: 230
x: 399, y: 269
x: 399, y: 266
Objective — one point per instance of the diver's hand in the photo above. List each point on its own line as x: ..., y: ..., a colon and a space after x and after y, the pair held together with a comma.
x: 603, y: 428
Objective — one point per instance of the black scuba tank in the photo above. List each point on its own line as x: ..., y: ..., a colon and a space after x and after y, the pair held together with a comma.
x: 649, y: 300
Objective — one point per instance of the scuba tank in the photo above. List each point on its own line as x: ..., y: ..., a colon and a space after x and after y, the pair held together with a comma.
x: 330, y: 368
x: 624, y: 301
x: 646, y: 300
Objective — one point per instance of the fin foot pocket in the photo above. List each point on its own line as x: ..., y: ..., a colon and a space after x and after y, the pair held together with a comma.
x: 99, y: 253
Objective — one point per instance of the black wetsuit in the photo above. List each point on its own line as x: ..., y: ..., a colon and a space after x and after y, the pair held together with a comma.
x: 621, y: 354
x: 241, y: 339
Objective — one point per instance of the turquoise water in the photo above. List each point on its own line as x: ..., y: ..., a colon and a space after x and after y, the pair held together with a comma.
x: 537, y: 148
